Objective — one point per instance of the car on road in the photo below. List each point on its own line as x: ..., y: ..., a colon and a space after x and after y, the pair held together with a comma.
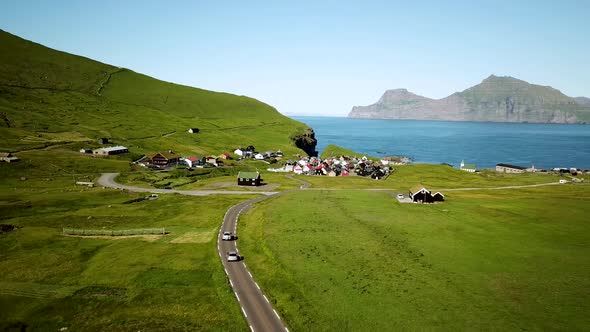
x: 400, y: 196
x: 232, y: 256
x: 227, y: 236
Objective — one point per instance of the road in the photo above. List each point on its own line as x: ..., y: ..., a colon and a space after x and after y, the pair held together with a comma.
x: 108, y: 180
x: 259, y: 313
x: 256, y: 307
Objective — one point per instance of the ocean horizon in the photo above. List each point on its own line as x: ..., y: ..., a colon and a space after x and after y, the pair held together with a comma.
x: 484, y: 144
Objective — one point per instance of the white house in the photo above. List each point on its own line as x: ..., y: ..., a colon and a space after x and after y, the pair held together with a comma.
x: 239, y: 152
x: 193, y: 130
x: 259, y: 156
x: 298, y: 169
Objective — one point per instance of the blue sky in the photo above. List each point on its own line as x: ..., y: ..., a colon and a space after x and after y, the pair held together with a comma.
x: 321, y: 57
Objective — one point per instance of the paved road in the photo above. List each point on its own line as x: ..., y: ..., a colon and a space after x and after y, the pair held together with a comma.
x: 259, y: 313
x: 108, y: 180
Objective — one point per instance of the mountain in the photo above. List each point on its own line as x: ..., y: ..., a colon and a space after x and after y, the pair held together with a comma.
x: 497, y: 99
x: 50, y: 98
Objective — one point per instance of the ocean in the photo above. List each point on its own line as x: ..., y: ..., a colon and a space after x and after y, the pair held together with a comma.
x: 481, y: 143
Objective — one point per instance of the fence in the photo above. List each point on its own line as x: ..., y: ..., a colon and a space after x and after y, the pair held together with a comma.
x: 105, y: 232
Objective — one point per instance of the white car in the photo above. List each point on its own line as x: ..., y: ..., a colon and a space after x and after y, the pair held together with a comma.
x: 226, y: 236
x: 232, y: 256
x: 400, y: 196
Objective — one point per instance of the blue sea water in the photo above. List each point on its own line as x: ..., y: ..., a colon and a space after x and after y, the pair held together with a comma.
x: 481, y: 143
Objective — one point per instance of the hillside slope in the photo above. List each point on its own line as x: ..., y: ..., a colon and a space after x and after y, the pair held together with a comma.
x: 498, y: 99
x: 48, y: 97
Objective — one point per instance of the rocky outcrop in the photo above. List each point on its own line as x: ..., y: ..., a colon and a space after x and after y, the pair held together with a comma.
x: 497, y: 99
x: 306, y: 141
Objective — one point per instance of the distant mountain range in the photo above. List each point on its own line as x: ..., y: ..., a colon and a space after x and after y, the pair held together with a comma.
x: 495, y: 99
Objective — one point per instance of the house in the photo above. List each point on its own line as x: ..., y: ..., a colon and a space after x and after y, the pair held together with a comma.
x: 259, y: 156
x: 192, y: 161
x: 420, y: 194
x: 298, y: 169
x: 507, y: 168
x: 438, y: 197
x: 193, y: 130
x: 467, y: 168
x: 89, y: 151
x: 279, y: 153
x: 248, y: 178
x: 211, y: 160
x: 225, y: 156
x: 113, y: 150
x: 8, y: 157
x: 103, y: 141
x: 164, y: 159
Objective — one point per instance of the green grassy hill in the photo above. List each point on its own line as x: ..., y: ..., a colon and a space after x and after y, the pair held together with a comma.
x: 48, y: 97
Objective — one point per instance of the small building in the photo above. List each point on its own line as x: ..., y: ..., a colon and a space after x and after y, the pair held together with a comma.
x: 225, y: 156
x: 112, y: 150
x: 467, y: 167
x: 507, y: 168
x: 192, y: 161
x: 103, y: 140
x: 438, y: 197
x: 259, y: 156
x: 164, y: 158
x: 89, y: 151
x: 211, y: 160
x: 239, y: 152
x: 248, y: 178
x: 420, y: 194
x: 193, y: 130
x: 8, y: 157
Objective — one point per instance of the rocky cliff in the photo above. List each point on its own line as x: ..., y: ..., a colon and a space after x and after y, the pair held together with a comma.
x: 306, y: 141
x: 497, y: 99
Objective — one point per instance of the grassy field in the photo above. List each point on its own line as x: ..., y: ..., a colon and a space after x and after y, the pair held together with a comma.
x: 483, y: 260
x: 148, y: 283
x: 51, y: 98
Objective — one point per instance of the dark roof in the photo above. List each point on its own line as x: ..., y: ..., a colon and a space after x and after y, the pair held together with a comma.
x: 511, y: 166
x: 166, y: 155
x: 248, y: 175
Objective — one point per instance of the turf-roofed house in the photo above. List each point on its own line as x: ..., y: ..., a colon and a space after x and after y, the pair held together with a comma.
x: 249, y: 179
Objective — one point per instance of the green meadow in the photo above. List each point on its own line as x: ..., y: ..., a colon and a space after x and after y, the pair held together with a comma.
x: 500, y: 260
x: 50, y: 281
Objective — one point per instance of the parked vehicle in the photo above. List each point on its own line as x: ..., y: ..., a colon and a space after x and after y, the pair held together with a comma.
x: 227, y: 236
x: 400, y: 196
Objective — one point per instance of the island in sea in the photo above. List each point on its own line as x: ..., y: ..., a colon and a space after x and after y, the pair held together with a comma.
x: 495, y: 99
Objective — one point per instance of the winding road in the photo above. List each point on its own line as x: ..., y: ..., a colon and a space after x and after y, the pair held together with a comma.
x: 256, y: 307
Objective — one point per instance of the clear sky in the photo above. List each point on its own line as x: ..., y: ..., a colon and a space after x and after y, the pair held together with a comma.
x: 321, y: 57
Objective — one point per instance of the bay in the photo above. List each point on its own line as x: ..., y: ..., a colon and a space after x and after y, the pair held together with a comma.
x: 481, y: 143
